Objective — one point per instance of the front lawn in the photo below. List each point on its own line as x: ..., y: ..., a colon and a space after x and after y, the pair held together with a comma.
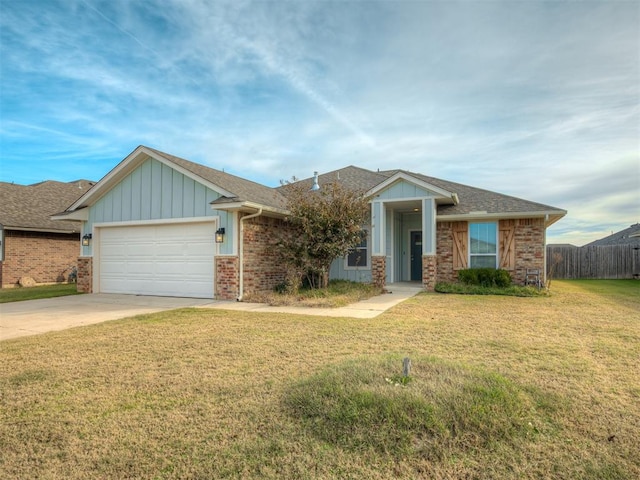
x: 500, y: 388
x: 19, y: 294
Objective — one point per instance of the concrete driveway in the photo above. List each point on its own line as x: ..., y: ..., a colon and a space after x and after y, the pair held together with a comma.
x: 31, y: 317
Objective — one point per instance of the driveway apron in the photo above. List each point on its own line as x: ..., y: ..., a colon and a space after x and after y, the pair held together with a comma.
x: 31, y: 317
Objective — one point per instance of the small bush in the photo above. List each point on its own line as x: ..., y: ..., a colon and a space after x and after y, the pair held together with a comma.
x: 485, y: 277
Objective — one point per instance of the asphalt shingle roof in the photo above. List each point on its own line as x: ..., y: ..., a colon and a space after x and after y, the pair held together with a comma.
x: 31, y: 206
x: 628, y: 236
x: 471, y: 199
x: 244, y: 190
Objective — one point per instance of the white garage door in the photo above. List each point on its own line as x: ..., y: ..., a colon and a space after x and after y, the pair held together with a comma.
x: 166, y: 260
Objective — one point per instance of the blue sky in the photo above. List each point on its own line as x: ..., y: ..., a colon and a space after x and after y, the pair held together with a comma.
x: 540, y: 100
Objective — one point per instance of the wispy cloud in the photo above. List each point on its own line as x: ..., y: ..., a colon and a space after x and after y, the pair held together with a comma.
x: 534, y: 99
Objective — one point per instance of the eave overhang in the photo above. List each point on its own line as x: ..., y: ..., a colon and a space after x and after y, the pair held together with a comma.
x: 126, y: 166
x: 550, y: 216
x: 41, y: 230
x: 80, y: 215
x: 249, y: 207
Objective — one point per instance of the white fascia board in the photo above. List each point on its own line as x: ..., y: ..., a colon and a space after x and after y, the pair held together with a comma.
x: 249, y: 207
x: 130, y: 163
x: 81, y: 214
x: 416, y: 181
x: 41, y: 230
x: 550, y: 216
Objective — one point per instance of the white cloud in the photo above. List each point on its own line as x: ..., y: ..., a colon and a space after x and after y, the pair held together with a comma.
x: 534, y: 99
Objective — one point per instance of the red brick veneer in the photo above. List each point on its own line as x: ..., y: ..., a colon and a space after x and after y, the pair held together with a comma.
x: 46, y: 257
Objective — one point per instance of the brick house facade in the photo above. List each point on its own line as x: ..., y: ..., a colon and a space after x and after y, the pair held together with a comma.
x: 44, y: 256
x: 31, y: 243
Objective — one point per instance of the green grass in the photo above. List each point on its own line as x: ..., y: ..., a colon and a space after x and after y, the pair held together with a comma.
x: 446, y: 410
x: 465, y: 289
x: 617, y: 290
x: 501, y: 388
x: 19, y: 294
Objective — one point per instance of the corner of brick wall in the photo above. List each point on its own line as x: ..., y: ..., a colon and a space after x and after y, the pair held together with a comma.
x: 227, y: 287
x: 263, y: 267
x: 444, y: 253
x: 379, y: 271
x: 529, y: 238
x: 429, y: 271
x: 85, y: 274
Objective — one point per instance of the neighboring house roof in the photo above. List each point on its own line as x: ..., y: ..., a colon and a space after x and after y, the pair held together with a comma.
x: 628, y: 236
x: 29, y: 207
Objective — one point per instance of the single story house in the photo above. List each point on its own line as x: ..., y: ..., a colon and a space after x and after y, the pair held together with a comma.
x: 31, y: 244
x: 161, y: 225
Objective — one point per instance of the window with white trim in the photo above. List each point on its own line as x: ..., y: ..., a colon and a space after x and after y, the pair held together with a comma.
x: 358, y: 257
x: 483, y: 245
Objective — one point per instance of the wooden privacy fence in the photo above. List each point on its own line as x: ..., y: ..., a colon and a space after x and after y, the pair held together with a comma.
x: 602, y: 262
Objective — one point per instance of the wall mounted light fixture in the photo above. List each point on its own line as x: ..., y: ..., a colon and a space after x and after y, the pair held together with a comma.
x: 220, y: 235
x: 86, y: 239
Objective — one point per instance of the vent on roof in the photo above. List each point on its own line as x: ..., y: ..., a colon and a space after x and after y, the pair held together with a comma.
x: 315, y: 186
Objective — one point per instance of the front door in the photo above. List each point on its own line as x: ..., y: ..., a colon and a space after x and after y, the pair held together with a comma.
x: 416, y: 256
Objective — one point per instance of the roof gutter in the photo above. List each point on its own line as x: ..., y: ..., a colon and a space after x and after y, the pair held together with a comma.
x: 549, y: 216
x: 241, y: 253
x: 241, y: 206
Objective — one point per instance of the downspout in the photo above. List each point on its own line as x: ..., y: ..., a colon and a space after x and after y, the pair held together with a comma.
x: 241, y: 253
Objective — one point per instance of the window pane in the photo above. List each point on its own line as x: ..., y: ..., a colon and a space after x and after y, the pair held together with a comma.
x: 482, y: 238
x: 488, y: 261
x: 357, y: 258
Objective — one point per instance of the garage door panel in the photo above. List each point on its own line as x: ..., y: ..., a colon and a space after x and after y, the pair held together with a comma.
x: 167, y: 260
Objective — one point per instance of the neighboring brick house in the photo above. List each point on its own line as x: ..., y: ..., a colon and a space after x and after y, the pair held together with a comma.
x: 31, y: 244
x: 162, y: 225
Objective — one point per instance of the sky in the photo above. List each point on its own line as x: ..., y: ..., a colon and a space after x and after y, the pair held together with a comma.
x: 535, y: 99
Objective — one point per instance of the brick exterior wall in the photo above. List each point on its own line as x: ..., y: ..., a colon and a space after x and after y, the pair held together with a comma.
x: 444, y: 252
x: 529, y: 249
x: 45, y: 257
x: 429, y: 271
x: 529, y: 238
x: 227, y: 275
x: 263, y: 269
x: 379, y: 270
x: 85, y: 274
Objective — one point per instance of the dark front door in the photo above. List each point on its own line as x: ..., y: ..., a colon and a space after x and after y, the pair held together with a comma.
x: 416, y: 256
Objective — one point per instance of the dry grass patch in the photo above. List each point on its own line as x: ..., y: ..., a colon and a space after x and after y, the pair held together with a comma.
x: 338, y: 294
x: 206, y: 393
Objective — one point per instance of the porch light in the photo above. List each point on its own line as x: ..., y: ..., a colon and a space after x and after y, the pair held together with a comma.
x: 220, y: 235
x: 86, y: 239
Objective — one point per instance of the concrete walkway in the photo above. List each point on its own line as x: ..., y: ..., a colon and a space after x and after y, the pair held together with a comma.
x: 370, y: 308
x: 32, y: 317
